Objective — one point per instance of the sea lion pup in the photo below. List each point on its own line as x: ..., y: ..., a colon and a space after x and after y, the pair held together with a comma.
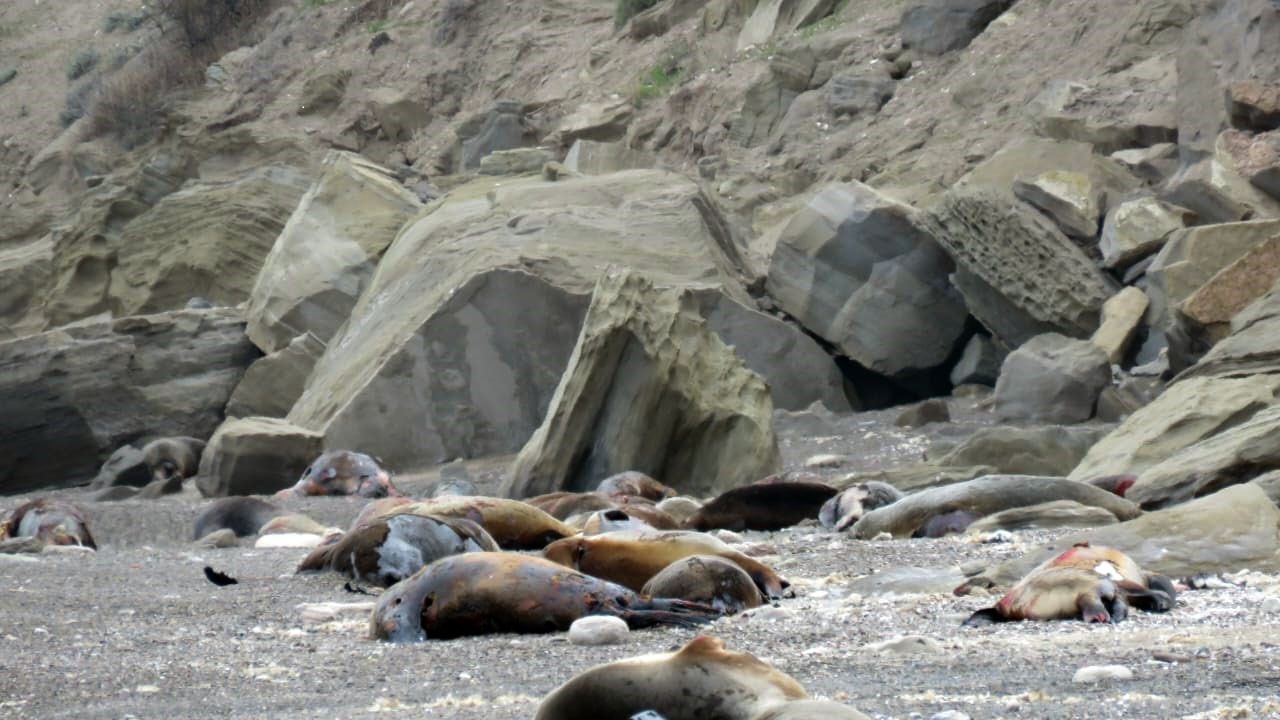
x: 762, y: 506
x: 842, y: 511
x: 636, y: 484
x: 480, y: 593
x: 811, y: 710
x: 172, y: 457
x: 343, y: 472
x: 1141, y: 589
x: 632, y: 558
x: 513, y: 524
x: 563, y: 505
x: 55, y: 522
x: 242, y: 514
x: 387, y: 550
x: 700, y: 681
x: 708, y: 580
x: 1057, y: 593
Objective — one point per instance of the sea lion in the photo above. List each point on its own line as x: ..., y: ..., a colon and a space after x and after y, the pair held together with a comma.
x: 842, y: 511
x: 387, y: 550
x: 700, y: 681
x: 562, y: 505
x: 56, y: 522
x: 762, y: 506
x: 1141, y: 589
x: 631, y: 558
x: 242, y: 514
x: 480, y: 593
x: 172, y: 458
x: 680, y: 507
x: 375, y: 509
x: 647, y: 511
x: 811, y: 710
x: 343, y: 472
x: 1057, y: 593
x: 709, y: 580
x: 946, y: 522
x: 634, y: 483
x: 513, y: 524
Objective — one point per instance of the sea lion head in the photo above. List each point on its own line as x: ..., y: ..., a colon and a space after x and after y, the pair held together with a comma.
x: 397, y: 616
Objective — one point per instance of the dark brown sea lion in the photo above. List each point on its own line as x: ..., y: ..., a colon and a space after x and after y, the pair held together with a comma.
x: 636, y: 484
x: 1141, y: 589
x: 343, y: 472
x: 56, y: 522
x: 562, y: 505
x: 388, y: 550
x: 513, y: 524
x: 700, y: 681
x: 1057, y: 593
x: 481, y: 593
x: 762, y: 506
x: 842, y: 511
x: 632, y: 558
x: 242, y: 514
x: 709, y: 580
x: 173, y: 457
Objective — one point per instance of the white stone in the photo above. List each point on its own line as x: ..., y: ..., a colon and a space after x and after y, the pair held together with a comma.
x: 1271, y: 605
x: 1099, y: 673
x: 598, y: 630
x: 289, y: 540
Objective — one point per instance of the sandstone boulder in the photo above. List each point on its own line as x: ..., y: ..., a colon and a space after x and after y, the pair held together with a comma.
x: 1153, y: 164
x: 1256, y: 158
x: 516, y: 161
x: 74, y: 395
x: 939, y: 26
x: 1252, y: 348
x: 1052, y: 378
x: 1214, y: 189
x: 398, y: 113
x: 502, y: 128
x: 255, y: 456
x: 1122, y: 313
x: 591, y: 157
x: 1188, y: 412
x: 1132, y: 108
x: 1210, y: 308
x: 24, y: 274
x: 601, y: 121
x: 771, y: 18
x: 1024, y: 451
x: 770, y: 94
x: 649, y: 387
x: 1069, y: 199
x: 327, y: 251
x: 1254, y: 105
x: 1136, y: 228
x: 272, y: 384
x: 1192, y: 256
x: 1028, y: 263
x: 1026, y: 157
x: 859, y: 270
x: 1056, y: 514
x: 858, y: 93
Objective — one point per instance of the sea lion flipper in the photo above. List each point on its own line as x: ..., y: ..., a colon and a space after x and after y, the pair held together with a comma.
x: 1091, y: 608
x: 663, y: 611
x: 985, y: 616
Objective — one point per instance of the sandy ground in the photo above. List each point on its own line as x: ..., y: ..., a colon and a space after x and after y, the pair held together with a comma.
x: 136, y: 631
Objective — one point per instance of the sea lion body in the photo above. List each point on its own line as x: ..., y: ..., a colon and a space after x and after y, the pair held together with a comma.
x: 563, y: 505
x: 948, y: 522
x: 1057, y: 593
x: 375, y: 509
x: 842, y: 511
x: 173, y: 457
x: 762, y: 506
x: 242, y: 514
x: 385, y: 551
x: 56, y: 522
x: 706, y: 579
x: 1141, y: 589
x: 632, y: 558
x: 513, y: 524
x: 635, y: 484
x: 498, y: 592
x: 343, y: 472
x: 700, y: 681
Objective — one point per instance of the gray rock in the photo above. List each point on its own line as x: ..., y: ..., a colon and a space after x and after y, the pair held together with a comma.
x: 939, y: 26
x: 323, y: 92
x: 1045, y: 516
x: 1052, y: 378
x: 1131, y: 394
x: 933, y: 410
x: 769, y: 96
x: 1132, y: 108
x: 1153, y: 164
x: 1101, y: 673
x: 326, y: 254
x: 598, y: 630
x: 1256, y: 158
x: 772, y: 18
x: 1026, y: 157
x: 76, y: 394
x: 1136, y: 228
x: 811, y: 710
x: 1252, y: 348
x: 859, y: 270
x: 604, y: 122
x: 979, y: 363
x: 397, y: 113
x: 25, y: 270
x: 273, y: 383
x: 516, y: 161
x: 859, y: 93
x: 1069, y: 199
x: 255, y: 456
x: 1024, y: 451
x: 502, y: 128
x: 907, y: 580
x: 1022, y: 257
x: 591, y: 157
x: 649, y: 388
x: 1122, y: 314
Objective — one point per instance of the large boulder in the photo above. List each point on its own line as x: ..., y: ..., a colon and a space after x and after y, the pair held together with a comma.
x: 939, y: 26
x: 74, y: 395
x: 592, y: 157
x: 273, y: 383
x: 1052, y: 378
x: 466, y: 365
x: 24, y: 273
x: 1132, y: 108
x: 1026, y: 158
x: 771, y: 18
x: 651, y: 388
x: 1122, y: 313
x: 1137, y: 228
x: 1235, y: 455
x: 502, y: 128
x: 326, y: 253
x: 1052, y: 450
x: 255, y: 456
x: 1192, y: 256
x: 1215, y: 189
x: 858, y: 269
x: 769, y: 96
x: 1252, y: 348
x: 1255, y: 158
x: 1025, y: 260
x: 1188, y: 412
x: 1209, y: 310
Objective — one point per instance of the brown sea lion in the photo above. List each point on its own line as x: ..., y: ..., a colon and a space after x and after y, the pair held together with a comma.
x: 762, y: 506
x: 1141, y: 589
x: 242, y: 514
x: 680, y: 507
x: 480, y: 593
x: 634, y: 483
x: 173, y: 457
x: 375, y: 509
x: 647, y: 511
x: 513, y: 524
x: 842, y: 511
x: 700, y: 681
x: 387, y: 550
x: 343, y: 472
x: 709, y: 580
x: 562, y: 505
x: 631, y: 558
x: 1057, y: 593
x: 55, y: 522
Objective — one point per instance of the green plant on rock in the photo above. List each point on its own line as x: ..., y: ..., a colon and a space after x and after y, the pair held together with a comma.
x: 82, y: 63
x: 655, y: 82
x: 627, y: 9
x: 376, y: 26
